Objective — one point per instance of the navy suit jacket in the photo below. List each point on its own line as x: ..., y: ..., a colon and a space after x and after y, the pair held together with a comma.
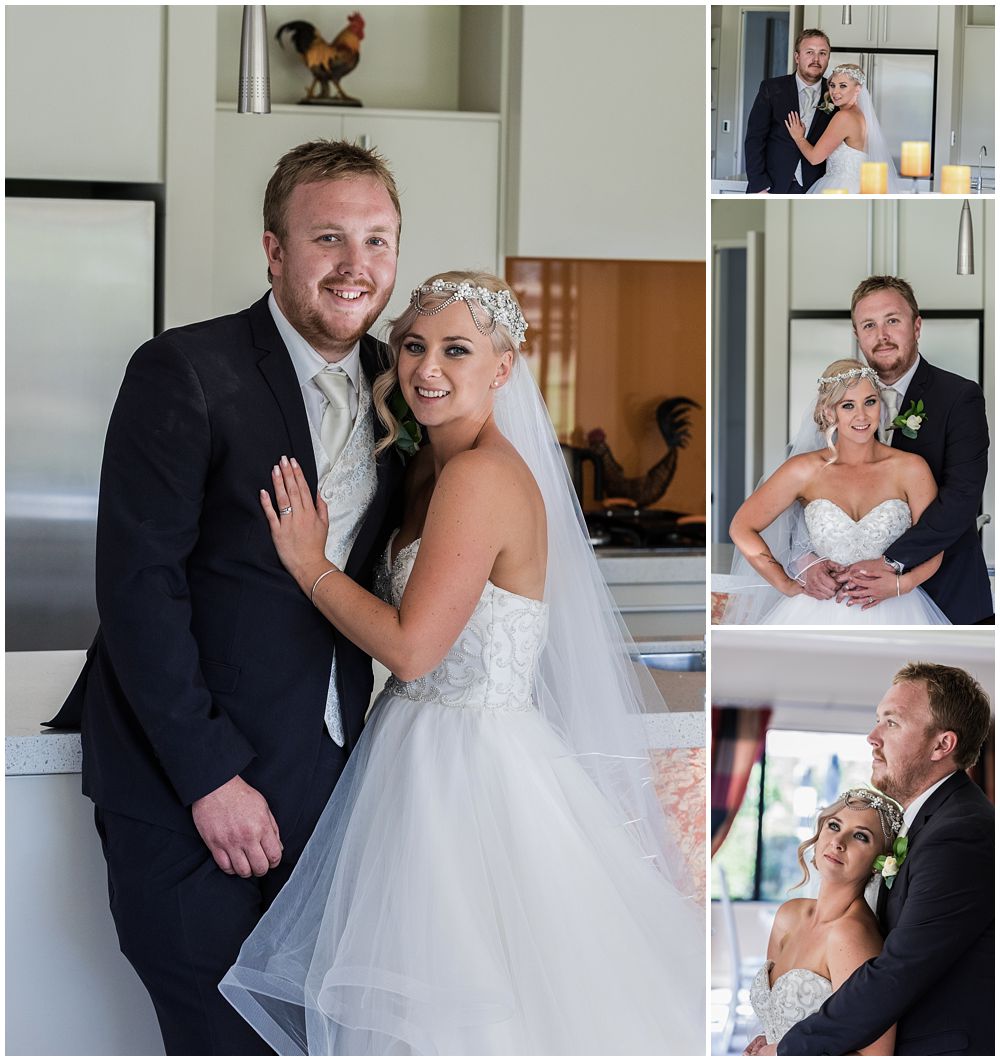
x: 209, y: 660
x: 955, y: 442
x: 771, y: 154
x: 935, y: 976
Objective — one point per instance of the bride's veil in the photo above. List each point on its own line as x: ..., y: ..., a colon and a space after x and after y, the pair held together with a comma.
x: 751, y: 597
x: 590, y: 686
x: 877, y: 147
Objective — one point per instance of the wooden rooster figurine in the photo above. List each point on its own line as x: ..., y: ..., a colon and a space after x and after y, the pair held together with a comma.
x: 327, y: 63
x: 643, y: 490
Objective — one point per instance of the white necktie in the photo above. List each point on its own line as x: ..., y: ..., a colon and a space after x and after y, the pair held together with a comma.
x: 890, y: 405
x: 335, y: 427
x: 807, y: 108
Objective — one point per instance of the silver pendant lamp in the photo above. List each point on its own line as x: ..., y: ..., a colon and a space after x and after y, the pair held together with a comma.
x: 254, y: 96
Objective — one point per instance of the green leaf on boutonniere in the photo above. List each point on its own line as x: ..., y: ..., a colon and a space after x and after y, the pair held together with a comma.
x: 409, y: 436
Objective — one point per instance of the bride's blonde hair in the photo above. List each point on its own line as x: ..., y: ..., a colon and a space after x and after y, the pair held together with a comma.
x: 388, y: 380
x: 852, y: 70
x: 830, y: 394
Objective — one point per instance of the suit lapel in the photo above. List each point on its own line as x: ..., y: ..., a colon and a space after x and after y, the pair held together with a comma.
x: 276, y: 367
x: 914, y: 392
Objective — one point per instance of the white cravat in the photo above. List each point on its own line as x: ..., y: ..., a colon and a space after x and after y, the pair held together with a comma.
x: 890, y: 408
x: 807, y: 108
x: 335, y: 427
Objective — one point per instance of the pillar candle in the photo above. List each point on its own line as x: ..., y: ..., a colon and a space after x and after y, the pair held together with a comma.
x: 874, y: 178
x: 956, y: 180
x: 916, y: 159
x: 835, y: 191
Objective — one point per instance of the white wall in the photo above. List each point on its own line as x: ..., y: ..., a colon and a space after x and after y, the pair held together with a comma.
x: 609, y: 113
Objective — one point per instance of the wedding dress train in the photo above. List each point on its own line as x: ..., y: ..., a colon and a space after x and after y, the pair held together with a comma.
x: 468, y: 889
x: 833, y: 534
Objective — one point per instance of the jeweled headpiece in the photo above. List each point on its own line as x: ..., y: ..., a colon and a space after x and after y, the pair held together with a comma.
x: 890, y: 814
x: 502, y: 309
x: 861, y: 372
x: 852, y: 71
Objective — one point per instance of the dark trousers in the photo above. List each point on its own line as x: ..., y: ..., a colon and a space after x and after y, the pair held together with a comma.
x: 181, y: 921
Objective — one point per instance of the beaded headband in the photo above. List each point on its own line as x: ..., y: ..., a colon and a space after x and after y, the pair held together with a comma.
x: 852, y: 71
x: 502, y: 309
x: 889, y: 814
x: 864, y: 372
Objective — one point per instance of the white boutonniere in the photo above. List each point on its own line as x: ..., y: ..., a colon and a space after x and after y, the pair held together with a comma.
x: 888, y: 866
x: 826, y: 106
x: 912, y: 420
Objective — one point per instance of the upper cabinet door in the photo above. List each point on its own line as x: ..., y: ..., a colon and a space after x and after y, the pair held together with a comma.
x: 81, y: 104
x: 861, y: 33
x: 908, y: 26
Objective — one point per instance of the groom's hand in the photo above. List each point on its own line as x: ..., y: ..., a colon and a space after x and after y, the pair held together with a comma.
x: 820, y: 582
x: 238, y: 828
x: 867, y: 582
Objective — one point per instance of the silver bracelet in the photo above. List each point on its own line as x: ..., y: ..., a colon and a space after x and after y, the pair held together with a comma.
x: 312, y: 592
x: 897, y: 583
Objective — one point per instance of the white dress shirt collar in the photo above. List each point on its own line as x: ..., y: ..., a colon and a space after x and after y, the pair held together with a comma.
x: 305, y: 360
x: 911, y: 812
x: 817, y: 88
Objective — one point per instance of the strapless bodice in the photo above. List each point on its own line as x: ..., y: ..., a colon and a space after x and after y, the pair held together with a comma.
x: 834, y: 534
x: 793, y: 997
x: 843, y: 168
x: 491, y: 666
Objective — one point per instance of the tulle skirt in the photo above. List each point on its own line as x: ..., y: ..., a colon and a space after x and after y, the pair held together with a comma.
x: 468, y: 891
x: 912, y: 609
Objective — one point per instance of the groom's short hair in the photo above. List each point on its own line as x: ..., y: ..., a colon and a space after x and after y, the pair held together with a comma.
x: 958, y: 703
x: 321, y: 160
x: 811, y: 33
x: 885, y: 283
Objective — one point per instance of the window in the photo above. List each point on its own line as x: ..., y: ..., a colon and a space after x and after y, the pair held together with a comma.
x: 801, y: 772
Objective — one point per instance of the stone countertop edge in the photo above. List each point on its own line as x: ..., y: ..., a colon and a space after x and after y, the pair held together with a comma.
x: 38, y: 682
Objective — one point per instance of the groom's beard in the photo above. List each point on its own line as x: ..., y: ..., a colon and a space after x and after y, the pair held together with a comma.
x: 904, y: 783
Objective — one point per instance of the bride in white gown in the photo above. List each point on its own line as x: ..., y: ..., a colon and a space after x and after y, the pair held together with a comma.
x: 853, y: 136
x: 839, y: 505
x: 492, y: 874
x: 816, y: 944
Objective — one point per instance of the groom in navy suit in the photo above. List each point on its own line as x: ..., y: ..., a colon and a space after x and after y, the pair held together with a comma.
x: 210, y: 745
x: 952, y: 436
x: 935, y: 976
x: 773, y: 162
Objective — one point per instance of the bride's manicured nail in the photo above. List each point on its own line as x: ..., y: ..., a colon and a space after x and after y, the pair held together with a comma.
x: 295, y: 463
x: 276, y: 471
x: 284, y: 461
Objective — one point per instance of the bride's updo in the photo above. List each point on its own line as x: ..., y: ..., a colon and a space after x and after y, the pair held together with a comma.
x: 836, y: 381
x: 890, y: 816
x: 426, y: 301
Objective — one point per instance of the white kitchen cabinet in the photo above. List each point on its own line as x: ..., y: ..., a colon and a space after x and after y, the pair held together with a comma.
x: 446, y: 166
x: 824, y: 246
x: 978, y: 73
x: 84, y: 93
x: 876, y: 25
x: 925, y: 229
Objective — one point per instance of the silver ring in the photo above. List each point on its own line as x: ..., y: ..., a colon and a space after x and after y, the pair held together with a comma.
x: 871, y: 600
x: 285, y: 511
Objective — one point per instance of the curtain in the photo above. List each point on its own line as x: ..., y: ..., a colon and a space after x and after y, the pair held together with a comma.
x: 737, y: 743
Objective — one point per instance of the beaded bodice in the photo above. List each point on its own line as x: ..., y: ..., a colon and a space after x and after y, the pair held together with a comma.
x: 843, y: 168
x: 492, y: 664
x: 834, y: 534
x: 793, y: 997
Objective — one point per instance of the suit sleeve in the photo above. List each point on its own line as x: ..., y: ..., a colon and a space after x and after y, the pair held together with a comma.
x: 960, y: 489
x: 947, y: 906
x: 153, y: 478
x: 755, y: 143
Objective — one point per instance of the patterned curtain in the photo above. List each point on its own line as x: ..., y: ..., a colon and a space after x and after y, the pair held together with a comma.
x: 737, y: 743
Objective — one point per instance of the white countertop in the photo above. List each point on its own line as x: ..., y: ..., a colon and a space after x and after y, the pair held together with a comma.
x: 38, y: 682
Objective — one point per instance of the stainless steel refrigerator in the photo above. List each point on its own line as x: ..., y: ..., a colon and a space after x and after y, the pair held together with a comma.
x: 903, y: 90
x: 80, y: 286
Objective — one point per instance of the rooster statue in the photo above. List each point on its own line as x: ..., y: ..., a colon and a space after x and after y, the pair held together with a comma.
x: 672, y: 420
x: 327, y: 63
